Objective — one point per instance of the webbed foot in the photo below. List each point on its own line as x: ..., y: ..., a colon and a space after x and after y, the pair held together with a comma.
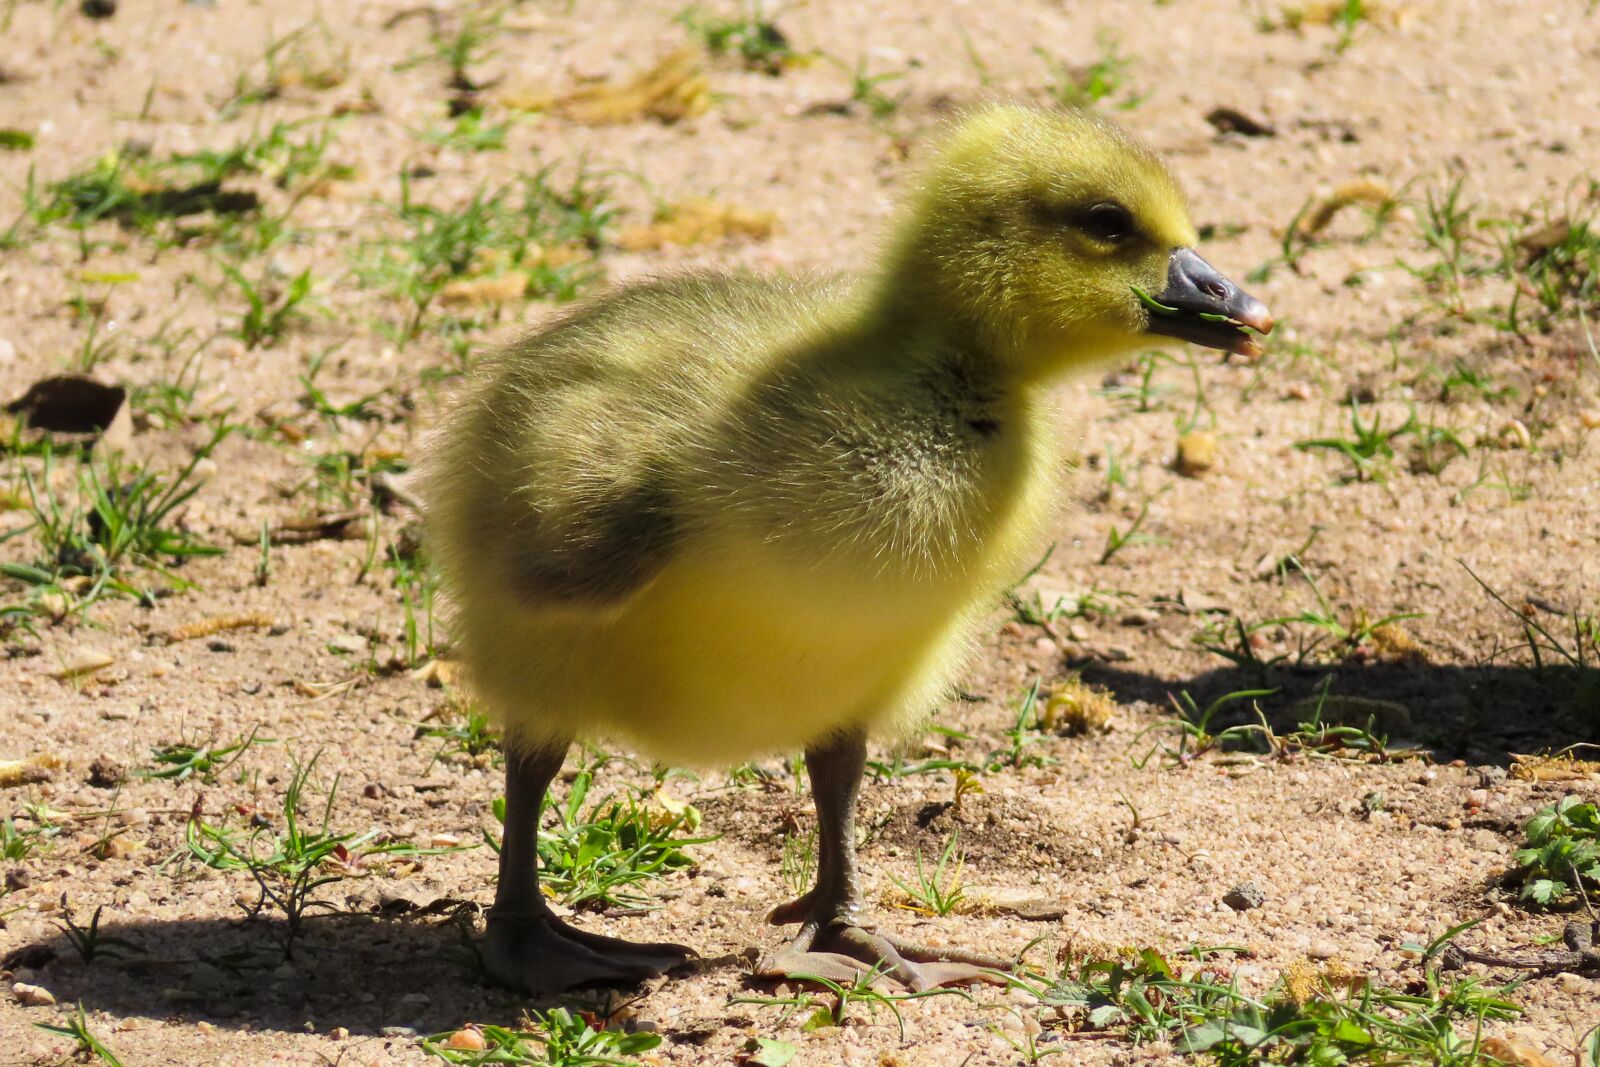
x: 841, y: 951
x: 539, y: 954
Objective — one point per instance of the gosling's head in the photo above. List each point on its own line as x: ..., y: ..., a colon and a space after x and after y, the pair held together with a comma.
x: 1062, y: 240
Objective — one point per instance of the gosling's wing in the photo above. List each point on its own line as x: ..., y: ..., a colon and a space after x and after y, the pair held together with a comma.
x: 571, y: 475
x: 598, y: 555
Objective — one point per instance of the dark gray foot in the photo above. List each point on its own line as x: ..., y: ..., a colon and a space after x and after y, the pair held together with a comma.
x: 540, y: 955
x: 843, y: 952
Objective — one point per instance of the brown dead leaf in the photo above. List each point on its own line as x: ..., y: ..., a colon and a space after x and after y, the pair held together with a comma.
x: 1562, y: 767
x: 1018, y: 904
x: 1075, y: 707
x: 438, y: 672
x: 1232, y: 120
x: 82, y: 661
x: 15, y: 772
x: 1325, y: 12
x: 342, y: 526
x: 673, y: 90
x: 217, y: 624
x: 1305, y: 981
x: 500, y: 289
x: 1517, y: 1053
x: 323, y: 690
x: 899, y: 899
x: 698, y: 221
x: 1544, y: 240
x: 1368, y: 191
x: 1394, y: 642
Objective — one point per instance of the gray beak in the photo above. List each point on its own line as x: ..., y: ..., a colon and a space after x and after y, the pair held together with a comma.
x: 1202, y: 306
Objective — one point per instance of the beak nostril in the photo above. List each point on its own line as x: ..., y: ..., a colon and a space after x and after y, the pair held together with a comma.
x: 1216, y: 290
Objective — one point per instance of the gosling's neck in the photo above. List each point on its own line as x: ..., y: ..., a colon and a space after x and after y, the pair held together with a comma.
x: 916, y: 308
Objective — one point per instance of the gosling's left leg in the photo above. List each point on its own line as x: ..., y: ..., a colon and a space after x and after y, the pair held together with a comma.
x: 527, y: 946
x: 832, y: 942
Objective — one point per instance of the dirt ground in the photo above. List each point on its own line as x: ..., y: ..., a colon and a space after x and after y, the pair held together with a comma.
x: 303, y: 642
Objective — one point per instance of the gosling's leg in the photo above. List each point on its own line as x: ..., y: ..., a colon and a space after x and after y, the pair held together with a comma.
x: 832, y: 942
x: 527, y: 947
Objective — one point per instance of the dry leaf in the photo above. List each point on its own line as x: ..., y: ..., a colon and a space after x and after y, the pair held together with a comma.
x: 1232, y: 120
x: 1368, y: 191
x: 343, y: 526
x: 1558, y: 768
x: 1017, y: 903
x: 1305, y: 981
x: 217, y: 624
x: 438, y: 672
x: 82, y: 661
x: 672, y: 90
x: 323, y: 690
x: 1517, y: 1053
x: 1325, y: 12
x: 499, y: 289
x: 1394, y: 642
x: 697, y: 221
x: 665, y: 809
x: 15, y: 772
x: 1075, y: 707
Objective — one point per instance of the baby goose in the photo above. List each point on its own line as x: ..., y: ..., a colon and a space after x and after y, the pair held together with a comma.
x: 722, y: 517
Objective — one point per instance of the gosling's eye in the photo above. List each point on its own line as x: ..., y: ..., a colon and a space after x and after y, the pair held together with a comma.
x: 1107, y: 222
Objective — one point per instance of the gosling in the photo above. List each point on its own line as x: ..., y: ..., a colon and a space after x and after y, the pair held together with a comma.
x: 716, y: 518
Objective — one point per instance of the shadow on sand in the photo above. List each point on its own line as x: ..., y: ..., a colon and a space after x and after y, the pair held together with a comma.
x: 371, y: 974
x: 1477, y: 713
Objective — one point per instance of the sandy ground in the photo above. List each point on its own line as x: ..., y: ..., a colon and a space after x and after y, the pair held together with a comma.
x: 1504, y: 97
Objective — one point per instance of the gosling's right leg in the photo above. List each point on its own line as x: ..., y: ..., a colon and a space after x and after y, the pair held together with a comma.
x: 527, y: 947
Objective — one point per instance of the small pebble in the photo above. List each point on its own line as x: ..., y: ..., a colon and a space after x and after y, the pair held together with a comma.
x: 1322, y: 950
x: 1197, y: 453
x: 1244, y: 896
x: 467, y: 1038
x: 339, y: 1033
x: 1477, y: 798
x: 32, y: 996
x: 1576, y: 984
